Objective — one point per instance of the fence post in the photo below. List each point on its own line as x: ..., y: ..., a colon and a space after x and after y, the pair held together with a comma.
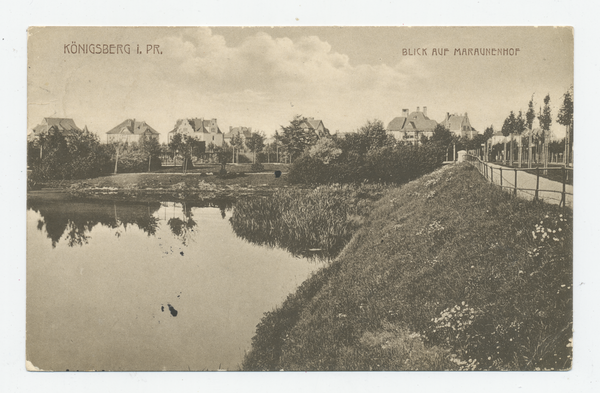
x: 537, y: 182
x: 515, y: 182
x: 492, y: 172
x: 500, y: 177
x: 563, y: 200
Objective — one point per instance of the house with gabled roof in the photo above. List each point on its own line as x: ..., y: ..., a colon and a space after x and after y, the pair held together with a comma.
x: 411, y: 126
x: 314, y: 125
x: 65, y: 126
x: 459, y: 125
x: 244, y: 132
x: 207, y: 131
x: 131, y: 131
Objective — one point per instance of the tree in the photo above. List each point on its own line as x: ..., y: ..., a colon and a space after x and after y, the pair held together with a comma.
x: 442, y: 136
x: 295, y: 138
x: 565, y: 117
x: 376, y: 134
x: 529, y: 118
x: 545, y: 118
x: 151, y: 148
x: 224, y: 154
x: 191, y: 147
x: 237, y: 143
x: 256, y: 143
x: 75, y: 156
x: 176, y: 145
x: 509, y: 125
x: 530, y: 115
x: 325, y: 150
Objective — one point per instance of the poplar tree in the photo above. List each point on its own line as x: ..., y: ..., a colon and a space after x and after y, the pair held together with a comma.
x: 565, y: 117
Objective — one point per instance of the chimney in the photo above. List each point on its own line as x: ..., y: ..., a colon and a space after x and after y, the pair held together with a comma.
x: 418, y: 109
x: 405, y: 112
x: 133, y: 125
x: 425, y: 111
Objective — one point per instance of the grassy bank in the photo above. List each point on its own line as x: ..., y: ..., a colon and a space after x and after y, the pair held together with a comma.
x: 447, y: 272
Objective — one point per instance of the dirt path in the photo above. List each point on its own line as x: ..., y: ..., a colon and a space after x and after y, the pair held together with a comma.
x: 550, y: 191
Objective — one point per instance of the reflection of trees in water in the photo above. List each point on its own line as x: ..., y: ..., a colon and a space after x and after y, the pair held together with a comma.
x: 183, y: 229
x: 75, y: 220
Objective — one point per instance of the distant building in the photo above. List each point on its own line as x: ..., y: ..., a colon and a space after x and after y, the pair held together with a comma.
x: 459, y: 125
x: 203, y: 130
x: 131, y: 131
x: 314, y: 125
x: 245, y: 132
x: 410, y: 127
x: 65, y: 126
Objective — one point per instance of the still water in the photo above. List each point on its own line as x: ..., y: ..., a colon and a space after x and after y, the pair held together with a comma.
x: 147, y: 286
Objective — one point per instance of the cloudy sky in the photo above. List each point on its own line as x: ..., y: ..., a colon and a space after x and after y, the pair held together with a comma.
x: 261, y: 77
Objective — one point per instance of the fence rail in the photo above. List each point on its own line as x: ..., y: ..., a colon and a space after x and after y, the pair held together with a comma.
x: 502, y: 177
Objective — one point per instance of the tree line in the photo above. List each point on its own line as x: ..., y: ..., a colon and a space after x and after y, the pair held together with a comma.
x: 537, y: 146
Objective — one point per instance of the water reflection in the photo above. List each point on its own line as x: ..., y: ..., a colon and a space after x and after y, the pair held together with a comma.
x: 75, y: 220
x: 138, y: 298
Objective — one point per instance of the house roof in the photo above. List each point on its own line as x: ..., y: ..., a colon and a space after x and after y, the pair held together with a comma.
x: 134, y: 128
x: 64, y: 125
x: 397, y: 124
x: 455, y: 122
x: 245, y: 131
x: 198, y: 125
x: 314, y: 123
x: 414, y: 121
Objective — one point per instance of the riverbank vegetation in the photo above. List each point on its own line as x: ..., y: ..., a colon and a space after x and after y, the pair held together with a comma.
x: 307, y: 222
x: 447, y: 272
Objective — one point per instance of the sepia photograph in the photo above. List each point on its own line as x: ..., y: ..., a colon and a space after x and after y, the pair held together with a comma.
x: 300, y: 198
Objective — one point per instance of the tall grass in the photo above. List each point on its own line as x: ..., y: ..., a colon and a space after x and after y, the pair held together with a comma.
x: 307, y: 222
x: 448, y: 272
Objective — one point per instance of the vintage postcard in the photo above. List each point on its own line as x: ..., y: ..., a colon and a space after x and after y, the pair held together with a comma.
x: 299, y: 198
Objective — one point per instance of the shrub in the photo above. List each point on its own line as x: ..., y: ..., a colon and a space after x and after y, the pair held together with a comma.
x: 386, y: 164
x: 257, y: 167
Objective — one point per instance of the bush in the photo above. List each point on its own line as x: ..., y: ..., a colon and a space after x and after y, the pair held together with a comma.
x: 386, y: 164
x: 309, y: 170
x: 137, y: 161
x: 257, y: 167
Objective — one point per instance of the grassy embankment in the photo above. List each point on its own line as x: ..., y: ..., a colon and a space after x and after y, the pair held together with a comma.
x: 447, y: 272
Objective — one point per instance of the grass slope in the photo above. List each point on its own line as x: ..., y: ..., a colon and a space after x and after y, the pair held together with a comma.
x: 447, y: 272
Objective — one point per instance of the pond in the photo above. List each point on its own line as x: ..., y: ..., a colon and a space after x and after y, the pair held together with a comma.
x: 147, y: 286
